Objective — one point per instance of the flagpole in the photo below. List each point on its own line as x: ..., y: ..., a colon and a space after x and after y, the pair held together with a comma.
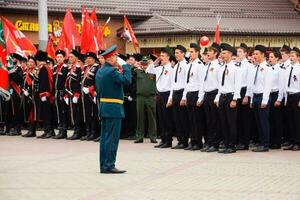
x: 43, y: 24
x: 73, y: 42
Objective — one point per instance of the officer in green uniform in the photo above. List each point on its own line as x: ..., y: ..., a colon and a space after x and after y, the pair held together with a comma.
x: 110, y: 80
x: 145, y: 99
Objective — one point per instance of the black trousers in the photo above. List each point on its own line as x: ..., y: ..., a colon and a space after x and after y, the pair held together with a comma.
x: 91, y: 118
x: 180, y: 118
x: 228, y: 120
x: 196, y: 117
x: 262, y: 120
x: 14, y: 112
x: 286, y: 137
x: 164, y: 117
x: 244, y: 120
x: 294, y: 117
x: 212, y: 118
x: 276, y: 125
x: 62, y: 110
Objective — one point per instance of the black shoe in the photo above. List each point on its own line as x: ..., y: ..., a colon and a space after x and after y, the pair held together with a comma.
x: 195, y: 148
x: 204, y: 149
x: 42, y: 136
x: 12, y: 132
x: 97, y: 139
x: 84, y: 137
x: 159, y: 145
x: 260, y: 149
x: 230, y: 150
x: 189, y: 147
x: 286, y: 144
x: 296, y: 148
x: 91, y: 137
x: 61, y: 135
x: 50, y: 135
x: 2, y: 131
x: 166, y: 145
x: 212, y: 149
x: 253, y: 145
x: 179, y: 146
x: 154, y: 141
x: 112, y: 171
x: 29, y: 134
x: 289, y: 147
x: 241, y: 147
x: 223, y: 150
x: 139, y: 141
x: 75, y: 136
x: 275, y: 146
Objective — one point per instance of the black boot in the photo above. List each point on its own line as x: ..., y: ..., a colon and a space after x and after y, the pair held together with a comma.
x: 76, y: 135
x: 12, y: 132
x: 87, y: 130
x: 48, y: 131
x: 2, y: 131
x: 94, y: 132
x: 62, y: 134
x: 31, y: 131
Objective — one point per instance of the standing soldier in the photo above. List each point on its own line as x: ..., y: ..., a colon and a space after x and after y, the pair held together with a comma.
x: 45, y: 77
x: 73, y: 94
x: 88, y: 97
x: 229, y: 80
x: 60, y: 72
x: 29, y: 101
x: 163, y: 74
x: 180, y: 111
x: 194, y: 83
x: 207, y: 97
x: 110, y: 81
x: 292, y: 85
x: 261, y: 89
x: 145, y: 100
x: 14, y: 111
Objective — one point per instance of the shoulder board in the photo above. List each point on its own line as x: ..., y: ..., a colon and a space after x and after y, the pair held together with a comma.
x: 199, y: 62
x: 238, y: 64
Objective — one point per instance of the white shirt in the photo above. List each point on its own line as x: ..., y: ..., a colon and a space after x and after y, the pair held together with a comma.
x: 250, y: 78
x: 285, y: 64
x: 195, y: 81
x: 278, y: 81
x: 295, y: 78
x: 164, y: 77
x: 244, y: 65
x: 182, y: 69
x: 232, y: 81
x: 211, y: 82
x: 263, y: 83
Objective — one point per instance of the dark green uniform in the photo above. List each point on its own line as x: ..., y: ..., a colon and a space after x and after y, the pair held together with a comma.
x: 145, y: 99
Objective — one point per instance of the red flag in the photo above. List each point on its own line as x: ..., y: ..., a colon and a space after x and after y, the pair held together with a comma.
x: 94, y: 20
x: 50, y: 48
x: 217, y: 34
x: 128, y: 34
x: 69, y: 29
x: 100, y: 33
x: 4, y: 83
x: 16, y: 41
x: 89, y: 41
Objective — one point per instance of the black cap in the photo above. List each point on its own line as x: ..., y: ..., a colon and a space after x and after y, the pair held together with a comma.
x: 91, y: 54
x: 297, y: 50
x: 81, y: 57
x: 50, y: 60
x: 62, y: 52
x: 123, y: 57
x: 145, y: 60
x: 101, y: 51
x: 18, y: 57
x: 216, y: 46
x: 195, y: 46
x: 172, y: 58
x: 153, y: 57
x: 181, y: 48
x: 276, y: 53
x: 41, y: 55
x: 228, y: 47
x: 244, y: 46
x: 75, y: 53
x: 285, y: 48
x: 261, y: 48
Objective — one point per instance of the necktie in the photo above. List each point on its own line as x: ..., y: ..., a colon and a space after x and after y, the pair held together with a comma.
x: 223, y: 76
x: 256, y: 74
x: 290, y: 76
x: 189, y: 74
x: 178, y: 65
x: 162, y: 71
x: 207, y: 72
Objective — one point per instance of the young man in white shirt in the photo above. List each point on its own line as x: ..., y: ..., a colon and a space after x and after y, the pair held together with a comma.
x: 292, y: 85
x: 194, y: 83
x: 207, y: 96
x: 229, y: 79
x: 261, y: 90
x: 164, y: 77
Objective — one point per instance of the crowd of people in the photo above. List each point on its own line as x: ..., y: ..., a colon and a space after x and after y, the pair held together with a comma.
x: 225, y: 100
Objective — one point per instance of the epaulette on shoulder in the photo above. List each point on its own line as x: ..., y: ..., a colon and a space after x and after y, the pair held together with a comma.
x: 238, y: 64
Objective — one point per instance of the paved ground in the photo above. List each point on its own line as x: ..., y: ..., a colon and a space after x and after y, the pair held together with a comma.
x: 36, y: 169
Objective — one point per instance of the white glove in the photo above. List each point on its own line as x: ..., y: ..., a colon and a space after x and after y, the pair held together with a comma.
x: 94, y: 100
x: 85, y: 90
x: 43, y: 99
x: 11, y: 91
x: 26, y: 93
x: 66, y: 100
x: 129, y: 98
x: 75, y: 99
